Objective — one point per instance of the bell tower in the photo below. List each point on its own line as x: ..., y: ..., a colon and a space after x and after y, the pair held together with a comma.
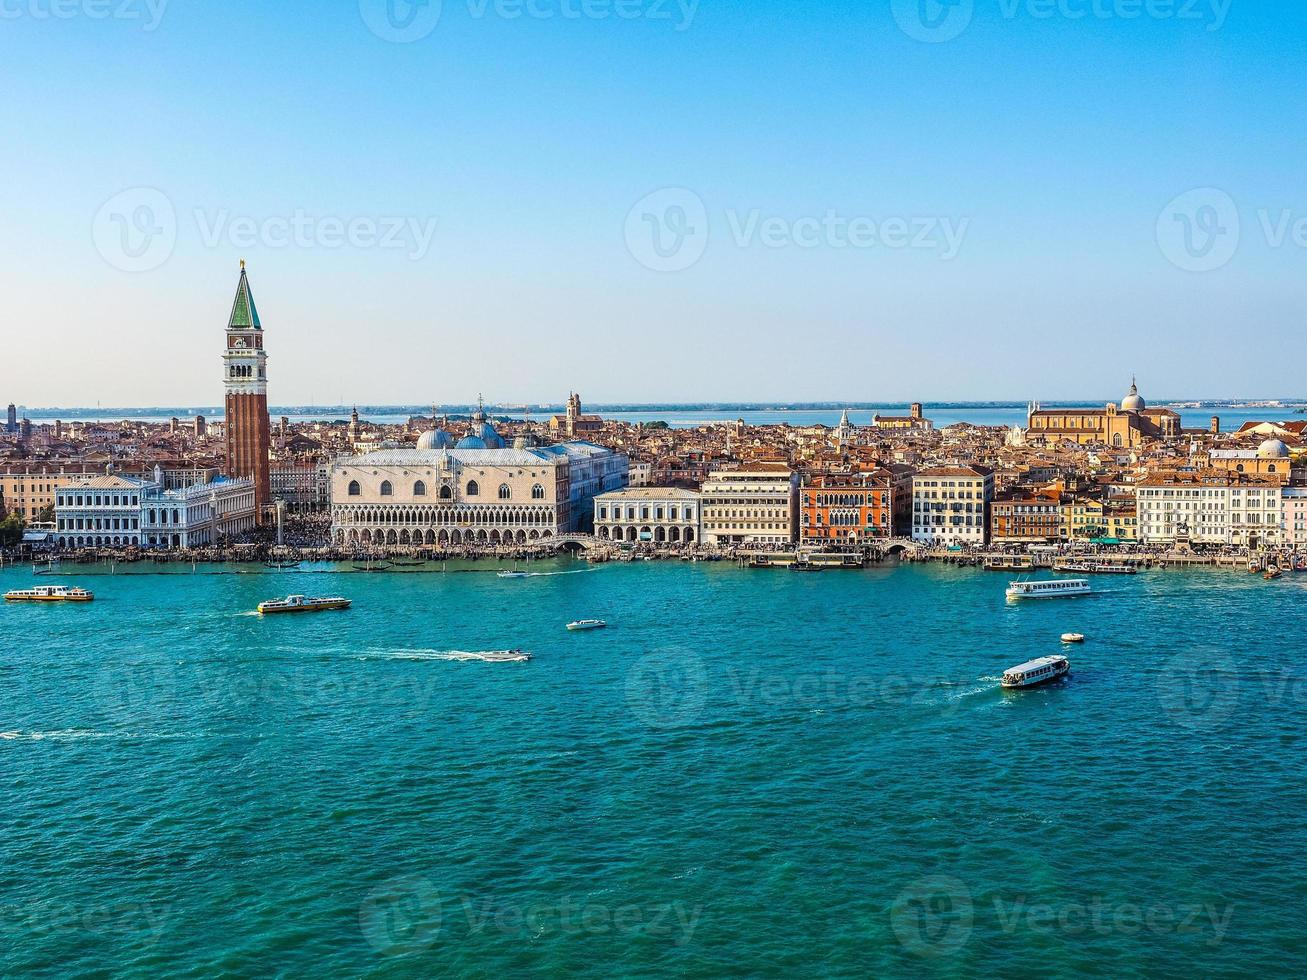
x: 245, y: 377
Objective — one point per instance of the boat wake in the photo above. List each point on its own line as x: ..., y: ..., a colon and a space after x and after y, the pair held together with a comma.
x: 456, y: 656
x: 79, y: 735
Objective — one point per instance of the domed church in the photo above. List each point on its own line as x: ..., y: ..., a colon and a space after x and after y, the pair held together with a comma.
x: 1124, y: 426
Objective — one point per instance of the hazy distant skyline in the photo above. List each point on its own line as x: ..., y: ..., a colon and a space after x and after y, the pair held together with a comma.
x: 673, y: 202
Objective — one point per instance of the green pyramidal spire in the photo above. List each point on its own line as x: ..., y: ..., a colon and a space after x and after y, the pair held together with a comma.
x: 244, y: 314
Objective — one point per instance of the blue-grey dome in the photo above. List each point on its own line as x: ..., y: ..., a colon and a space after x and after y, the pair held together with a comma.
x: 490, y: 437
x: 470, y: 442
x: 435, y: 439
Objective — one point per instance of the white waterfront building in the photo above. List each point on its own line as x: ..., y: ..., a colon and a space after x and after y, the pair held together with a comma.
x: 950, y: 505
x: 475, y: 491
x: 197, y: 516
x: 100, y: 512
x: 1210, y: 509
x: 656, y: 515
x: 752, y: 504
x: 113, y: 511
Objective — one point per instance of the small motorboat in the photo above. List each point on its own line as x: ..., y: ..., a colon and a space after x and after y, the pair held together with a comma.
x: 512, y: 573
x: 300, y: 603
x: 586, y: 624
x: 1272, y: 573
x: 1300, y: 563
x: 49, y: 593
x: 1045, y: 670
x: 1073, y: 637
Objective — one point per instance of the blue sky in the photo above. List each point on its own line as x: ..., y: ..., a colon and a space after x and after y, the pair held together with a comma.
x: 477, y: 206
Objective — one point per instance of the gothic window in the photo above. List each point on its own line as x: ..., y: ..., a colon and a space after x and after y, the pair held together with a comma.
x: 446, y: 493
x: 419, y: 489
x: 387, y: 489
x: 504, y: 492
x: 537, y: 492
x: 472, y: 489
x: 354, y: 489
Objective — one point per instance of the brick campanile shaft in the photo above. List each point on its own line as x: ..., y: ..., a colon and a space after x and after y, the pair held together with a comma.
x: 245, y: 377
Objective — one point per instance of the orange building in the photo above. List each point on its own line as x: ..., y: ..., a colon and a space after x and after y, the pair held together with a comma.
x: 1023, y: 516
x: 854, y: 508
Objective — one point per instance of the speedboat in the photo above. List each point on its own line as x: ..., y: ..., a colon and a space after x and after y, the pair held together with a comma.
x: 1073, y: 637
x: 49, y: 593
x: 587, y: 624
x: 512, y: 573
x: 1036, y: 672
x: 1049, y: 588
x: 299, y: 603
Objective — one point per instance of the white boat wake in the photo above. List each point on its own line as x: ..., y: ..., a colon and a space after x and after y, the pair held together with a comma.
x: 457, y: 656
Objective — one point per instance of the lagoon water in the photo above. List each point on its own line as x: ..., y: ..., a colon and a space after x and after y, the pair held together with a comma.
x: 748, y: 773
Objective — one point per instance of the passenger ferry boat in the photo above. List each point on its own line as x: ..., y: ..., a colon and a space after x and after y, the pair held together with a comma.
x: 299, y: 603
x: 49, y: 593
x: 1092, y: 567
x: 1036, y: 672
x: 587, y: 624
x: 1049, y: 588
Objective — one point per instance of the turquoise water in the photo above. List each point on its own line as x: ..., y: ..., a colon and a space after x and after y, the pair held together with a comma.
x: 748, y: 773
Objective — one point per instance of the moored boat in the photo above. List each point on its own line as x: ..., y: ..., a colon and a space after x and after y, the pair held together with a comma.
x: 1272, y: 573
x: 1036, y: 672
x: 300, y: 603
x: 586, y: 624
x: 49, y: 593
x: 1092, y: 567
x: 1049, y: 588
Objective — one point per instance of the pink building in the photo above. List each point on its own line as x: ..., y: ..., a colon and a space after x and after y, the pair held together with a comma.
x: 1294, y: 509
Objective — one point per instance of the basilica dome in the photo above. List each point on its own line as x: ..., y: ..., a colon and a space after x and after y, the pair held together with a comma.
x: 435, y: 439
x: 470, y: 442
x: 1273, y: 449
x: 1133, y: 402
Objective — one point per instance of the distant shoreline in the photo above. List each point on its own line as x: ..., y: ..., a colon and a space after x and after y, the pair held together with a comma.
x: 1295, y: 406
